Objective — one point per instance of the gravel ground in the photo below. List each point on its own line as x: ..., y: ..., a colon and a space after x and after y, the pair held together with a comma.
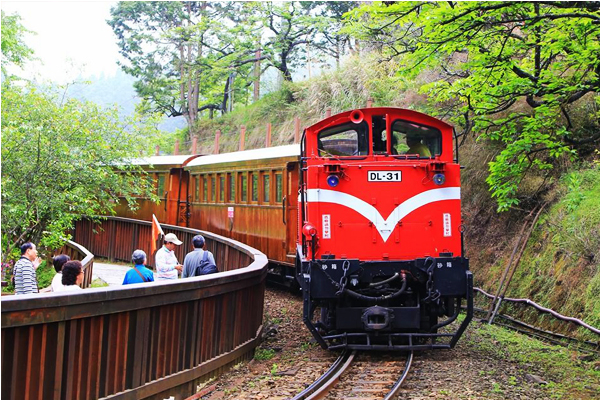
x: 292, y: 360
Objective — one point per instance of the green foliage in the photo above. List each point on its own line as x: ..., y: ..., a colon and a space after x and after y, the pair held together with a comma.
x: 14, y: 49
x: 62, y: 160
x: 45, y: 273
x: 261, y: 354
x: 521, y: 74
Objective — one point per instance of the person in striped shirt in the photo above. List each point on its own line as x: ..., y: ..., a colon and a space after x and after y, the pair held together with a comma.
x: 24, y: 270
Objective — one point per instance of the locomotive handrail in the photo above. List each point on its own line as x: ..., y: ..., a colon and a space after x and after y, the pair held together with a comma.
x: 147, y: 340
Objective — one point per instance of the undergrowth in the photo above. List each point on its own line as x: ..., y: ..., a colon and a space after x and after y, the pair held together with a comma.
x: 568, y: 375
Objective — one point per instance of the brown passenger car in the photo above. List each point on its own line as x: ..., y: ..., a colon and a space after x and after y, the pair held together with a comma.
x: 250, y: 196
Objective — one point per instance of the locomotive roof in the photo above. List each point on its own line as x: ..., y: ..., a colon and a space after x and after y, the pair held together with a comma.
x: 247, y: 155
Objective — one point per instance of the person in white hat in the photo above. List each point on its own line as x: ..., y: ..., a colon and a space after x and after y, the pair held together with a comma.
x: 165, y: 259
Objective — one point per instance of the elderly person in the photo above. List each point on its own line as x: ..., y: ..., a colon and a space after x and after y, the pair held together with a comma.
x: 58, y: 261
x: 139, y: 273
x: 72, y: 276
x: 165, y: 259
x: 24, y: 270
x: 195, y: 258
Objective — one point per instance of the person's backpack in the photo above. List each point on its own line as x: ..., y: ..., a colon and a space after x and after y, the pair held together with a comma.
x: 205, y: 267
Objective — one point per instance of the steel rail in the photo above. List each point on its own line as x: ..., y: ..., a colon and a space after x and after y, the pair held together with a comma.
x: 394, y: 392
x: 326, y: 380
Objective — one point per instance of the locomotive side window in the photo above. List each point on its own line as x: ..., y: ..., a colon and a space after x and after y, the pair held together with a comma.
x: 344, y: 140
x: 243, y: 188
x: 266, y: 188
x: 221, y: 188
x: 278, y: 188
x: 413, y: 139
x: 254, y: 186
x: 231, y: 180
x: 213, y: 188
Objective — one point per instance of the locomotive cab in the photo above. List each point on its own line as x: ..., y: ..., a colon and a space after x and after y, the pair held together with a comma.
x: 380, y: 238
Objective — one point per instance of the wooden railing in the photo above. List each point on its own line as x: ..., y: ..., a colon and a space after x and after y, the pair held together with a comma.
x: 147, y: 340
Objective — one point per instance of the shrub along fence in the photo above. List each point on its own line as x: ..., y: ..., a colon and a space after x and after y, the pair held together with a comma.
x: 148, y: 340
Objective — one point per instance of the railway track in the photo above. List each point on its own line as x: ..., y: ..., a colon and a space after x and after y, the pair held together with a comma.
x: 364, y: 376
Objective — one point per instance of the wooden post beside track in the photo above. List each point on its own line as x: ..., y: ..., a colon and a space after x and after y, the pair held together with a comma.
x: 328, y: 112
x: 268, y: 138
x: 296, y: 130
x: 157, y: 150
x: 242, y: 137
x: 176, y: 150
x: 194, y: 144
x: 369, y: 103
x: 217, y: 137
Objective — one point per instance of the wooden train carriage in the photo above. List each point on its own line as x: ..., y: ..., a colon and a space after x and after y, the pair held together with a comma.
x: 170, y: 181
x: 250, y: 196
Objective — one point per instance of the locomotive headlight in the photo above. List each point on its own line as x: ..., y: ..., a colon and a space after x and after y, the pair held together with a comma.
x: 333, y: 180
x: 439, y: 179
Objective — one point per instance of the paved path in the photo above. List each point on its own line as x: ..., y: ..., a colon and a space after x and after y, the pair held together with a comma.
x: 109, y: 273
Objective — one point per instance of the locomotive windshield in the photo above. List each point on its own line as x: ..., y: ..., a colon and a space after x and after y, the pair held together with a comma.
x: 413, y: 139
x: 344, y: 140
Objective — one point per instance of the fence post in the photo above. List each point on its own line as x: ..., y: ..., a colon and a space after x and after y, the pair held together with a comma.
x: 194, y: 144
x: 328, y: 112
x: 242, y: 137
x: 369, y: 103
x: 217, y: 137
x: 157, y: 150
x: 296, y: 130
x: 176, y: 150
x: 268, y: 138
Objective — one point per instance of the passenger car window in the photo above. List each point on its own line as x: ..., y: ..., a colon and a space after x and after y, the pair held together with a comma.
x: 197, y: 188
x: 243, y: 187
x: 231, y: 178
x: 266, y: 187
x: 160, y: 192
x: 222, y: 188
x: 213, y: 188
x: 204, y: 189
x: 415, y: 140
x: 278, y: 187
x: 344, y: 140
x: 254, y: 186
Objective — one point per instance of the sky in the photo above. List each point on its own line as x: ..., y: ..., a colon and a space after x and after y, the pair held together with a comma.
x: 72, y: 39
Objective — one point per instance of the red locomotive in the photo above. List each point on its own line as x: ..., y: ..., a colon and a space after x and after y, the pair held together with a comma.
x: 380, y: 249
x: 365, y: 214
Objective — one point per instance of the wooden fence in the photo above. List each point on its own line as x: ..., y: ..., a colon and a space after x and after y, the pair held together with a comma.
x: 148, y: 340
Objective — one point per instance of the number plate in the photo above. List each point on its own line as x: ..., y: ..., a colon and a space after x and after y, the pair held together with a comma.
x: 385, y: 176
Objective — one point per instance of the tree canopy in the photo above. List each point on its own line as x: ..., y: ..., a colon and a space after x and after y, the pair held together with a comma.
x: 522, y: 74
x: 14, y: 49
x: 61, y: 159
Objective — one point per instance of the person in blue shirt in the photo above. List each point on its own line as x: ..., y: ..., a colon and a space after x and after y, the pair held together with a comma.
x: 139, y: 273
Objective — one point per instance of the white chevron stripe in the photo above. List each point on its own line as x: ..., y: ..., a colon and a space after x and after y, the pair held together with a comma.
x: 384, y: 226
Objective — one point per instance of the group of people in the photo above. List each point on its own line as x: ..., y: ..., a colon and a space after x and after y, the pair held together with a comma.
x: 197, y: 262
x: 69, y: 273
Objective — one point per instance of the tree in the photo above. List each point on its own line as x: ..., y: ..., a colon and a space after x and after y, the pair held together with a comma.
x: 184, y: 54
x: 523, y: 74
x: 287, y: 27
x: 330, y: 39
x: 62, y: 161
x: 14, y: 49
